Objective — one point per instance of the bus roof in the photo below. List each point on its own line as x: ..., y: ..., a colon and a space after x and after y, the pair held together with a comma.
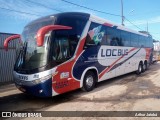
x: 88, y: 16
x: 102, y: 21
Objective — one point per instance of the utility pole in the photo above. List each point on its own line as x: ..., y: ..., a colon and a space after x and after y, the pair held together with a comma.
x: 122, y: 12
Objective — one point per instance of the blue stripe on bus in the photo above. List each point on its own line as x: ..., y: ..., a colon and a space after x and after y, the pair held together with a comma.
x: 83, y: 62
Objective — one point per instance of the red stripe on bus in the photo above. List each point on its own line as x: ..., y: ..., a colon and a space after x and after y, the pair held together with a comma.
x: 108, y: 24
x: 107, y: 69
x: 148, y: 52
x: 62, y: 85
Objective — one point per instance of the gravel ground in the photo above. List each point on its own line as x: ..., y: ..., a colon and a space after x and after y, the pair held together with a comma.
x: 125, y: 93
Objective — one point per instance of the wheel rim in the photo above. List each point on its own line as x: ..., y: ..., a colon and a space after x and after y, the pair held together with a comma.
x: 140, y: 69
x: 89, y: 81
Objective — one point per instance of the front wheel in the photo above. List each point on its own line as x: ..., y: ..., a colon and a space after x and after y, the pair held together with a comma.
x: 89, y: 81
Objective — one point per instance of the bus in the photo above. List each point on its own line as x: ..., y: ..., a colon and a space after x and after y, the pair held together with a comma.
x: 67, y: 51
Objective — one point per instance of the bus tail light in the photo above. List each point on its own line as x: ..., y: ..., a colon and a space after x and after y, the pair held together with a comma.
x: 7, y: 40
x: 42, y: 31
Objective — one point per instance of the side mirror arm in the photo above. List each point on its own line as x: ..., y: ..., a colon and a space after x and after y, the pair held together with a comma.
x: 42, y: 31
x: 7, y: 40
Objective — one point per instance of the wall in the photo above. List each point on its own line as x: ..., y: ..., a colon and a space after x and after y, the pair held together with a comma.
x: 7, y: 59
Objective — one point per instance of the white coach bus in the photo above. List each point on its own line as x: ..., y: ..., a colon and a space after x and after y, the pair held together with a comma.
x: 67, y: 51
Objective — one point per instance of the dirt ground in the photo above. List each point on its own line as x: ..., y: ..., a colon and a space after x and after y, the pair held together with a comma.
x: 125, y: 93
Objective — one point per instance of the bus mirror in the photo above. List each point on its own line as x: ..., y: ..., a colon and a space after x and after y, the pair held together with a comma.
x: 7, y: 40
x: 42, y: 31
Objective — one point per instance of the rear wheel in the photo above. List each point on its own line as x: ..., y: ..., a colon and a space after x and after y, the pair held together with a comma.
x: 140, y: 68
x: 145, y: 66
x: 89, y: 81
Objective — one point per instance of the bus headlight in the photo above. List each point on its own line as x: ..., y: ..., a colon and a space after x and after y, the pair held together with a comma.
x: 41, y: 80
x: 33, y: 82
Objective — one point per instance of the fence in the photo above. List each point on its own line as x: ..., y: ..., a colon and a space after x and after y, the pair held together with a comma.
x: 7, y: 59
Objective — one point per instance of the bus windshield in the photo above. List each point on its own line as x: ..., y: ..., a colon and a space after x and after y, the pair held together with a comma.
x: 59, y: 45
x: 32, y: 56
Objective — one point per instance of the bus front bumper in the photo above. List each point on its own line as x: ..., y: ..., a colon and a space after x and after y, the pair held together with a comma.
x: 40, y: 89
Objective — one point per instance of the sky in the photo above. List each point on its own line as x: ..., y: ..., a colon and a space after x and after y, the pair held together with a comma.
x: 138, y: 12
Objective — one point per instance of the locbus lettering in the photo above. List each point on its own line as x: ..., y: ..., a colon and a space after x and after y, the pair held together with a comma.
x: 113, y: 52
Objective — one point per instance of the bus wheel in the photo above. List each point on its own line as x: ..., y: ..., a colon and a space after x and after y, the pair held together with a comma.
x: 145, y: 66
x: 140, y: 69
x: 89, y: 81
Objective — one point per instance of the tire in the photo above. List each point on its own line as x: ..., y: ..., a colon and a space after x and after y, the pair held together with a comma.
x: 145, y: 66
x: 140, y: 69
x: 89, y: 81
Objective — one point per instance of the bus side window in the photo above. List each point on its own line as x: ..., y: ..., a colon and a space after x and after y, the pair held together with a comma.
x: 117, y: 37
x: 89, y: 41
x: 142, y: 42
x: 134, y: 40
x: 114, y: 42
x: 125, y: 38
x: 148, y: 43
x: 106, y: 40
x: 94, y: 35
x: 114, y: 37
